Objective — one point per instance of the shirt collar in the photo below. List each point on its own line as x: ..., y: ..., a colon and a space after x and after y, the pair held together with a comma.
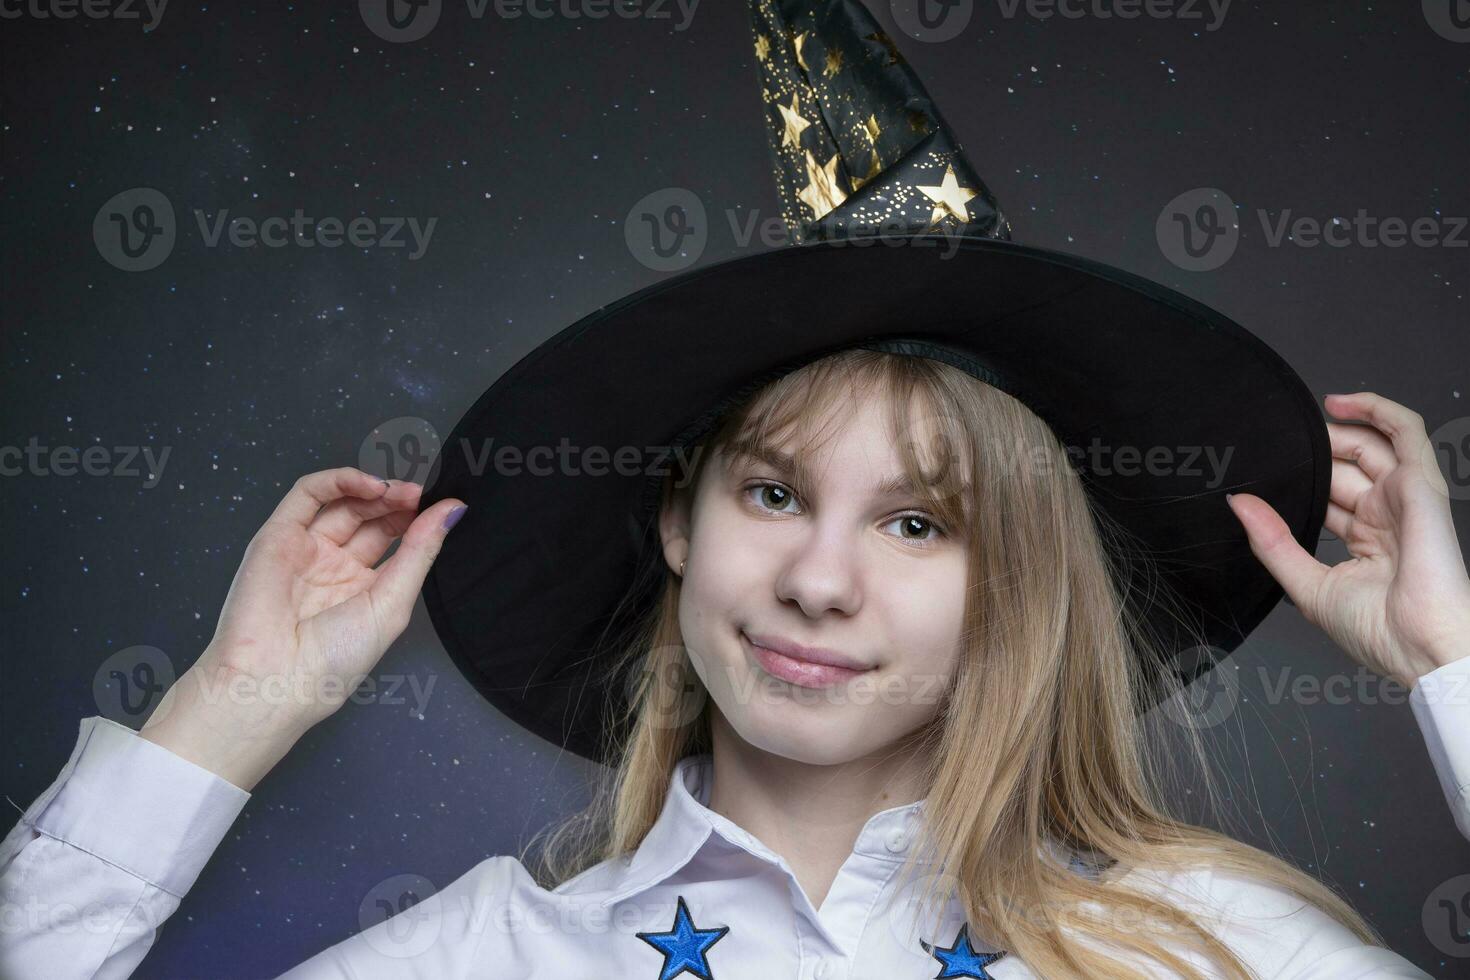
x: 686, y: 823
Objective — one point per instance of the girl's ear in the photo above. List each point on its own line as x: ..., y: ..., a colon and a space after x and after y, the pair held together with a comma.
x: 673, y: 525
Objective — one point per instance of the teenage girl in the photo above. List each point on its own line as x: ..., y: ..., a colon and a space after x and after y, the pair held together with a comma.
x: 856, y: 749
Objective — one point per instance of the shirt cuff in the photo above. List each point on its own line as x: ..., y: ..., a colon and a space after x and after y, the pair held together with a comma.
x: 136, y: 805
x: 1441, y: 704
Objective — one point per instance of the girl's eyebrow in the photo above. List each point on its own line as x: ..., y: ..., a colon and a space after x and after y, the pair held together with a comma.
x: 795, y: 472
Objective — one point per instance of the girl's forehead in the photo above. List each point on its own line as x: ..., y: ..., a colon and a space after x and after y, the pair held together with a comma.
x: 851, y: 413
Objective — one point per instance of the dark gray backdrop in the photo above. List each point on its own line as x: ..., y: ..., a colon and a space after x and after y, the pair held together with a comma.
x: 530, y: 140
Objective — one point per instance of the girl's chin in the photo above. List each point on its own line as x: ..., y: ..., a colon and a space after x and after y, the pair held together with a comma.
x: 796, y: 730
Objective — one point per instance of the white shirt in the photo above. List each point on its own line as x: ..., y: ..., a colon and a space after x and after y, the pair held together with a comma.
x: 127, y: 826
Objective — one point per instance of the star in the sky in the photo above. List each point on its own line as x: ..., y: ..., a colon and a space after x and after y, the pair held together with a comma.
x: 794, y: 123
x: 960, y: 960
x: 684, y: 947
x: 822, y: 192
x: 949, y: 198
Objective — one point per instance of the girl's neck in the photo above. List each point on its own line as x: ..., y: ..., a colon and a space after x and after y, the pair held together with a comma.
x: 809, y: 814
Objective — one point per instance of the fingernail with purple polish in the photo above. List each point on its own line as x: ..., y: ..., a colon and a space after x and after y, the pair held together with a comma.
x: 452, y: 518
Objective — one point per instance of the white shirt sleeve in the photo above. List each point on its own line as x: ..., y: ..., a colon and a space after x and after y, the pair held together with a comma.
x: 1280, y: 936
x: 105, y: 854
x: 1441, y: 704
x: 1284, y: 938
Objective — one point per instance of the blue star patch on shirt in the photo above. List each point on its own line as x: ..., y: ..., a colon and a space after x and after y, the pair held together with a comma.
x: 684, y: 947
x: 960, y: 960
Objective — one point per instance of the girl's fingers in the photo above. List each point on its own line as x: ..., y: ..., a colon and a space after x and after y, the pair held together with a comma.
x: 1403, y: 426
x: 1405, y: 431
x: 314, y: 491
x: 1348, y: 484
x: 1364, y: 445
x: 402, y: 577
x: 1271, y: 542
x: 372, y: 538
x: 340, y: 520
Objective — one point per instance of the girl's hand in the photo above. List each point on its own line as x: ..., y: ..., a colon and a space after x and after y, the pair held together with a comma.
x: 307, y: 617
x: 1401, y: 604
x: 307, y: 610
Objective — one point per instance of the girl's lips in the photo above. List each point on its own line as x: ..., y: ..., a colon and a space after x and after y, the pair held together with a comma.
x: 800, y: 672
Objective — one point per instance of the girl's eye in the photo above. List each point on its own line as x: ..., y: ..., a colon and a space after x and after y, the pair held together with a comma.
x: 774, y: 497
x: 782, y: 495
x: 907, y: 523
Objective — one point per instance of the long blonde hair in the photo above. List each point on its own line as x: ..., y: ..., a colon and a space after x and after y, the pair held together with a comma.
x: 1040, y: 737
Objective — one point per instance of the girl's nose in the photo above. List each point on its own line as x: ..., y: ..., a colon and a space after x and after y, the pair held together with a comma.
x: 822, y: 574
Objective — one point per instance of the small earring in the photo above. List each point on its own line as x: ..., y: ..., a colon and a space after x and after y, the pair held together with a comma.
x: 681, y: 569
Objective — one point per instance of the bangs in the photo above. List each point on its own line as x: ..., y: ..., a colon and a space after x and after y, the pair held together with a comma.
x: 793, y: 417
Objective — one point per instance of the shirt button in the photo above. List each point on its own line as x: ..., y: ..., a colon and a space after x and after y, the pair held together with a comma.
x: 821, y: 969
x: 897, y: 841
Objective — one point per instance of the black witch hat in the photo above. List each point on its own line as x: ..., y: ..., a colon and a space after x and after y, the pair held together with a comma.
x: 897, y: 246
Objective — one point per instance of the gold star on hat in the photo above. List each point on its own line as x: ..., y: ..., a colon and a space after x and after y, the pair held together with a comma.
x: 949, y: 198
x: 824, y: 191
x: 797, y: 43
x: 795, y: 124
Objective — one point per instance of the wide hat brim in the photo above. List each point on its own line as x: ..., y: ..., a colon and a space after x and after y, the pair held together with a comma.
x: 557, y: 556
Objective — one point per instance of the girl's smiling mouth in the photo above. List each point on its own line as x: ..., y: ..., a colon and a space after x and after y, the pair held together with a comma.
x: 801, y: 672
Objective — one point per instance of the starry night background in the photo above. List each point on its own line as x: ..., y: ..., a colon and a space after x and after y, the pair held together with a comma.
x: 530, y: 140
